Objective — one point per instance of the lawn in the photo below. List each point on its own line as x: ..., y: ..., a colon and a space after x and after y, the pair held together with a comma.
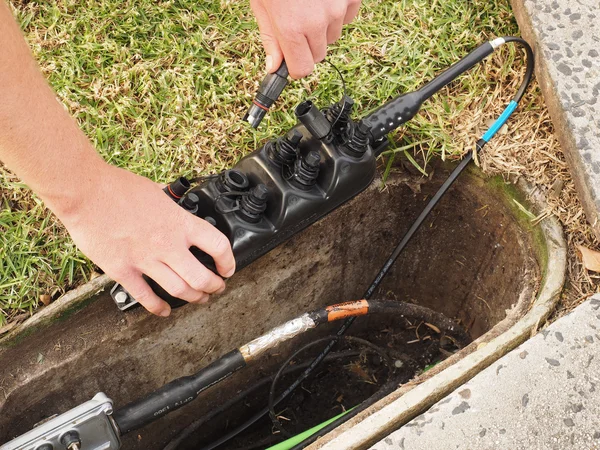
x: 160, y: 88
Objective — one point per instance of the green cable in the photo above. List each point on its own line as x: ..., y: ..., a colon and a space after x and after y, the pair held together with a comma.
x: 293, y: 441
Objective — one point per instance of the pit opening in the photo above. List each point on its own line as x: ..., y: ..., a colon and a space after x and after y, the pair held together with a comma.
x: 406, y: 345
x: 471, y: 261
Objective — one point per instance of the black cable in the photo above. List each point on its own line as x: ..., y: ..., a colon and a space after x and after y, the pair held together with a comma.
x: 271, y: 406
x: 530, y: 65
x: 344, y: 91
x: 194, y: 426
x: 416, y: 225
x: 177, y: 393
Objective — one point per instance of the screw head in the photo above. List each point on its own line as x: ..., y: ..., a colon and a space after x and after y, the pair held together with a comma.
x: 121, y: 297
x: 294, y: 137
x: 313, y: 159
x: 190, y: 201
x: 260, y: 192
x: 363, y: 127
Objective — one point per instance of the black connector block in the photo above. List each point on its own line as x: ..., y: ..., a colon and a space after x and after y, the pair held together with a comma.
x: 280, y: 189
x: 289, y: 207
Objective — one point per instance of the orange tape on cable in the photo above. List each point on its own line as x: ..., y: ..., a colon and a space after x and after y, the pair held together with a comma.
x: 347, y: 309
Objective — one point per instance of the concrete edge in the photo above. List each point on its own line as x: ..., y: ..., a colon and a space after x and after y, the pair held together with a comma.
x: 71, y: 300
x: 558, y: 116
x: 419, y: 398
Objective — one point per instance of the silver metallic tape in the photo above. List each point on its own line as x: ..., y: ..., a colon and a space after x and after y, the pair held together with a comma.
x: 497, y: 42
x: 277, y: 335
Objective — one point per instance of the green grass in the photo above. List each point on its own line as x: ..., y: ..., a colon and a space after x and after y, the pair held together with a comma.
x: 160, y: 87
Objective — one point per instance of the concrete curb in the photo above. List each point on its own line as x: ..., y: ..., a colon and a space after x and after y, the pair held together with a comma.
x: 71, y: 301
x: 574, y: 127
x: 542, y: 395
x: 380, y: 420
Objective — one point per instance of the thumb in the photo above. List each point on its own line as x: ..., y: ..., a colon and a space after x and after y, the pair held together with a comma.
x: 267, y: 36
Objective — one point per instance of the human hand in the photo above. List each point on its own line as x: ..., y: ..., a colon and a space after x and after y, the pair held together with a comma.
x: 300, y: 31
x: 129, y: 227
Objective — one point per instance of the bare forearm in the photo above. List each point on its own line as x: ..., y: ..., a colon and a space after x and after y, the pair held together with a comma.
x: 38, y: 138
x: 143, y: 232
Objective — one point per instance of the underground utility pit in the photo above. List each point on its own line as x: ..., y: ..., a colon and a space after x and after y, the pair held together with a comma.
x: 474, y: 260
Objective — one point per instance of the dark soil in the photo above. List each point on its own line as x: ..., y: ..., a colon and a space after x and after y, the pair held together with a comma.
x: 339, y: 384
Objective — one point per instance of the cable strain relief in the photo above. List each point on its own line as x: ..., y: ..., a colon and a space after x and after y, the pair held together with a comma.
x: 339, y: 113
x: 357, y: 139
x: 254, y: 204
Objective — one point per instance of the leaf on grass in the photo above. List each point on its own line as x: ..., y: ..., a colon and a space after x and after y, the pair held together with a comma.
x: 45, y: 299
x: 590, y: 258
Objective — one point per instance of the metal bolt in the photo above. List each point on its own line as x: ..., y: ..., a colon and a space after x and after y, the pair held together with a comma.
x: 121, y: 297
x: 294, y: 137
x: 74, y: 446
x: 313, y: 159
x: 260, y: 192
x: 190, y: 201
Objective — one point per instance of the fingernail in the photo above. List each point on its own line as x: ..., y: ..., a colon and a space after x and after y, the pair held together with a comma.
x: 204, y: 299
x: 165, y: 313
x: 269, y: 63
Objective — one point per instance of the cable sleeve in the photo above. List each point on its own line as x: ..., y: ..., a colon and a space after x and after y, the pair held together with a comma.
x: 501, y: 120
x: 404, y: 107
x: 176, y: 394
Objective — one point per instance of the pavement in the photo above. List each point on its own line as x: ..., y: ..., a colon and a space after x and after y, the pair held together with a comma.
x: 566, y: 39
x: 545, y: 394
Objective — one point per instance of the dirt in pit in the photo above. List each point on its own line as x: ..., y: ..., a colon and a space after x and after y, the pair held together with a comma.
x: 352, y: 375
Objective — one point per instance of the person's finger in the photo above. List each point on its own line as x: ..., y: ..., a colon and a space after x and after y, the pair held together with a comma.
x: 318, y: 46
x: 352, y: 11
x: 172, y: 282
x: 210, y: 240
x: 139, y: 290
x: 298, y: 55
x: 195, y: 275
x: 267, y: 36
x: 334, y: 30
